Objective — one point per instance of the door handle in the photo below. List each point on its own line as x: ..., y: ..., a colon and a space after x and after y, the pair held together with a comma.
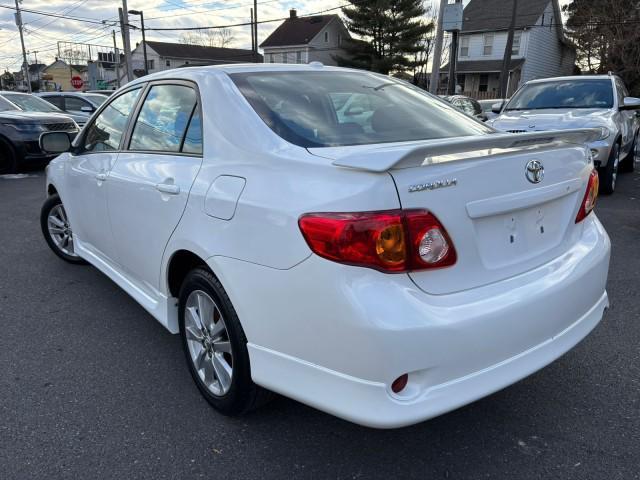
x: 168, y: 188
x: 101, y: 177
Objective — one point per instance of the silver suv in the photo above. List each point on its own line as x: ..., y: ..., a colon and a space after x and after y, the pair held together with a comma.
x: 589, y: 101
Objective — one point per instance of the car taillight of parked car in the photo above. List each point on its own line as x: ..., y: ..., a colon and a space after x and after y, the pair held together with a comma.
x: 391, y: 241
x: 590, y: 197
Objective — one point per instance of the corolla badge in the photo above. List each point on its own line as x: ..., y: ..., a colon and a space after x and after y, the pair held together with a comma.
x: 534, y: 171
x: 448, y: 182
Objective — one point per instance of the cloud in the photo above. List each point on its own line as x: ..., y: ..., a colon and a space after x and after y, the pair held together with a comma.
x: 42, y: 33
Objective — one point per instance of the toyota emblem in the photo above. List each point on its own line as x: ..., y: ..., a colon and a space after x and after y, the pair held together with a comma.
x: 534, y: 171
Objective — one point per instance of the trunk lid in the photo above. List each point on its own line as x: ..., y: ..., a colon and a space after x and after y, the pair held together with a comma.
x: 501, y: 223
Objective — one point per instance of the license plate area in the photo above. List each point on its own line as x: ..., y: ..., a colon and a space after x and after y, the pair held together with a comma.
x: 521, y: 235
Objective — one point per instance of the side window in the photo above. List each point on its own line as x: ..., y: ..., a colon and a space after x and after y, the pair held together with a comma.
x: 75, y: 103
x: 106, y: 131
x: 163, y: 119
x: 193, y: 137
x: 56, y: 100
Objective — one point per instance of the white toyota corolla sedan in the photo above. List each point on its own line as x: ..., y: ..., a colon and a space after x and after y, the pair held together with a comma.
x: 336, y: 236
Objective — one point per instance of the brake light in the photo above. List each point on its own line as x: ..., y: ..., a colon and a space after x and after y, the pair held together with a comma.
x: 590, y: 197
x: 390, y: 241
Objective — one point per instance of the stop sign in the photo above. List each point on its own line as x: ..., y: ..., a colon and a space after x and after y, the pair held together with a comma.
x: 76, y: 82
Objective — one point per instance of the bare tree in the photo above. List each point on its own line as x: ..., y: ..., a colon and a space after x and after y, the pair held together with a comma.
x: 426, y: 43
x: 219, y: 37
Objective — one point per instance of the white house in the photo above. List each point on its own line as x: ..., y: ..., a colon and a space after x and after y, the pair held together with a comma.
x: 540, y: 48
x: 306, y: 39
x: 166, y: 55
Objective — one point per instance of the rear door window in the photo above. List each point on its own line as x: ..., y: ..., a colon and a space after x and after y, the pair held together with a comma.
x: 56, y: 100
x: 163, y: 119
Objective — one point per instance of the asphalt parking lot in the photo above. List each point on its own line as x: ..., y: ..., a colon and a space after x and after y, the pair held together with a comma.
x: 92, y: 387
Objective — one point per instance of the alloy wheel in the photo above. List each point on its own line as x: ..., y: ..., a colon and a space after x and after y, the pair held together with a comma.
x: 60, y: 230
x: 614, y: 174
x: 208, y: 342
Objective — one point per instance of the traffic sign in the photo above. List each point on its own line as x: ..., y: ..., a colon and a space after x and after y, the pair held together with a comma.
x: 76, y: 82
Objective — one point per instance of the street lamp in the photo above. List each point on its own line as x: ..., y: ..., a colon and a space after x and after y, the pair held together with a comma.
x: 144, y: 41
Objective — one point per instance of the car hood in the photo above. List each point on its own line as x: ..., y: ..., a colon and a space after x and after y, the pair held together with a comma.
x: 18, y: 116
x: 552, y: 119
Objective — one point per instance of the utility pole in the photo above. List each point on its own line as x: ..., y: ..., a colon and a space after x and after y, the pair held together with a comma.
x: 126, y: 41
x: 506, y: 60
x: 116, y: 58
x: 255, y: 30
x: 35, y: 54
x: 253, y: 38
x: 144, y: 40
x: 25, y: 64
x: 437, y: 51
x: 453, y: 60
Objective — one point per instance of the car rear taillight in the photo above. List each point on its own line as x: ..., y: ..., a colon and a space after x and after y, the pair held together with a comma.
x: 390, y: 241
x: 590, y: 197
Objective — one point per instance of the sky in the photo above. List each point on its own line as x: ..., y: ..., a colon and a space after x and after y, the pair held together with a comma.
x: 43, y: 33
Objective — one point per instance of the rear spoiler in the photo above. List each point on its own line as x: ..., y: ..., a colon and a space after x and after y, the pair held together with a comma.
x: 383, y: 158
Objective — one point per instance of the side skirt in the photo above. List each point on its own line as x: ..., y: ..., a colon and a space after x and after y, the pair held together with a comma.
x: 164, y: 309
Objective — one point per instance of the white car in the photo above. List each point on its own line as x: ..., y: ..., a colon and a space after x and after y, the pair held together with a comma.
x: 584, y: 101
x: 384, y: 272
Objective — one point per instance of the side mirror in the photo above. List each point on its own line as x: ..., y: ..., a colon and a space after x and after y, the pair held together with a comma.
x: 87, y: 109
x: 55, y: 142
x: 497, y: 107
x: 630, y: 103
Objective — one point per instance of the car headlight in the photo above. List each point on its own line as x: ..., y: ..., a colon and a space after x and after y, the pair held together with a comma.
x: 604, y: 133
x: 27, y: 127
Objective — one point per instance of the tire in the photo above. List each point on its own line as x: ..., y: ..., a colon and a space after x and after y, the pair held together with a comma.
x: 8, y: 160
x: 629, y: 163
x: 609, y: 173
x: 55, y: 228
x: 221, y: 346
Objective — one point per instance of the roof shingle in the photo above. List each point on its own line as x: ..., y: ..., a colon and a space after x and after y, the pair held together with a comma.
x: 199, y: 52
x: 297, y: 31
x: 491, y: 15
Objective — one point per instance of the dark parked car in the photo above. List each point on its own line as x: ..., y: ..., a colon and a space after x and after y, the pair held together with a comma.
x: 80, y: 106
x: 468, y: 105
x: 20, y: 135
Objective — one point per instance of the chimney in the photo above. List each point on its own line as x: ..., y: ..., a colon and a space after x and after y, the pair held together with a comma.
x: 293, y: 13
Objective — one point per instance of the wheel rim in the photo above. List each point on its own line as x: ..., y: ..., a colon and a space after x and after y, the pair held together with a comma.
x: 208, y: 342
x: 60, y: 230
x: 636, y: 149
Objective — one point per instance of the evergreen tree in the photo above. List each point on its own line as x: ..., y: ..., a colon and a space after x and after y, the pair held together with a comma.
x: 390, y: 32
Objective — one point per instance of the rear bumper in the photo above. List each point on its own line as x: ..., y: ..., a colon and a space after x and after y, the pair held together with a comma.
x: 335, y: 337
x: 372, y: 404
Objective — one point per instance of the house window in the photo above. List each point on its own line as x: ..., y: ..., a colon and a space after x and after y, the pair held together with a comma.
x: 298, y: 57
x: 150, y: 65
x: 284, y: 57
x: 484, y: 83
x: 464, y: 46
x: 517, y: 37
x: 326, y: 37
x: 271, y: 59
x: 488, y: 44
x: 168, y: 63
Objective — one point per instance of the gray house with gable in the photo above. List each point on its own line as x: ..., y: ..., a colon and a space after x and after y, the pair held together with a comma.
x: 540, y: 47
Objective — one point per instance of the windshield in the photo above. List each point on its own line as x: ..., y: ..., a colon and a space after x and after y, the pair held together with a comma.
x: 564, y: 94
x: 5, y: 105
x: 96, y: 99
x: 323, y: 109
x: 29, y: 103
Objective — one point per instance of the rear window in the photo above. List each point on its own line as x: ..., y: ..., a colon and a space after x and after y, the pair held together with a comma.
x: 327, y: 109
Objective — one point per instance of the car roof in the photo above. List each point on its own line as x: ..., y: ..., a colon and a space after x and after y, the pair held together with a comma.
x: 200, y: 72
x: 573, y: 77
